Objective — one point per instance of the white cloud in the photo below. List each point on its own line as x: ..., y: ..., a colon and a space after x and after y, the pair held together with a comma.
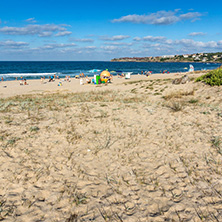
x: 81, y: 40
x: 137, y: 39
x: 32, y: 20
x: 13, y: 44
x: 154, y: 39
x: 56, y: 46
x: 197, y: 34
x: 90, y: 47
x: 45, y: 34
x: 118, y: 43
x: 190, y: 15
x: 161, y: 41
x: 162, y: 44
x: 64, y: 33
x: 115, y: 38
x: 39, y: 30
x: 159, y: 18
x: 194, y: 45
x: 109, y: 47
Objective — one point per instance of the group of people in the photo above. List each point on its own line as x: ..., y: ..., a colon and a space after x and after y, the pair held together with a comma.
x: 120, y: 74
x: 81, y: 75
x: 22, y: 81
x: 53, y: 78
x: 85, y: 80
x: 146, y: 73
x: 166, y: 71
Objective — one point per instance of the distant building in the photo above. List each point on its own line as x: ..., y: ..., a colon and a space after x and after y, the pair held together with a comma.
x: 167, y: 56
x: 197, y: 58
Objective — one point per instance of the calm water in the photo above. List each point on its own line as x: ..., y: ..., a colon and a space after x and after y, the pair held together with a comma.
x: 35, y: 70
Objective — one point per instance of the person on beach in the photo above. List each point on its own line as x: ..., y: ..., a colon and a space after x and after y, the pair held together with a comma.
x: 25, y: 82
x: 81, y: 75
x: 120, y: 75
x: 42, y: 80
x: 148, y: 73
x: 21, y: 83
x: 2, y: 79
x: 68, y: 79
x: 50, y: 78
x: 88, y: 80
x: 110, y: 78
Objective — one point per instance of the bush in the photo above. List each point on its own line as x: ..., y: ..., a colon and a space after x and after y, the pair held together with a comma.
x: 213, y: 78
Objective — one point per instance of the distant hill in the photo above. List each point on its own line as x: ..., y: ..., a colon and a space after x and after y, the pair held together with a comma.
x: 196, y: 57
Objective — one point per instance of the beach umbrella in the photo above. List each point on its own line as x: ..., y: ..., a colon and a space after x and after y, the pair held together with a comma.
x: 191, y: 69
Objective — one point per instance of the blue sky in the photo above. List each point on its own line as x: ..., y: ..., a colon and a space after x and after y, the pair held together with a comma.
x: 69, y: 30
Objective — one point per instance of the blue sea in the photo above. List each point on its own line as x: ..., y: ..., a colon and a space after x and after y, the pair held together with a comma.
x: 36, y: 70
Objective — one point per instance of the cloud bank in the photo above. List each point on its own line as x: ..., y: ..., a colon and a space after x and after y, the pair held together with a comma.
x: 159, y: 18
x: 40, y: 30
x: 13, y: 44
x: 115, y: 38
x: 197, y: 34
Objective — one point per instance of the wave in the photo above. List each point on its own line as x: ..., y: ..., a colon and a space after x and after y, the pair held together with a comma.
x: 27, y: 74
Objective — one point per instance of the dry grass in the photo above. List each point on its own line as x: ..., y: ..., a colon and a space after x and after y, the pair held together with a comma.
x: 176, y: 106
x: 178, y: 94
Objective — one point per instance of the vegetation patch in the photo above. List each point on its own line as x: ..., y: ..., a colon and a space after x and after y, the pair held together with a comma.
x: 213, y: 78
x: 176, y: 106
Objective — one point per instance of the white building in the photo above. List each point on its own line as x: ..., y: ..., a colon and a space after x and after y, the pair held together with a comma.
x: 167, y: 56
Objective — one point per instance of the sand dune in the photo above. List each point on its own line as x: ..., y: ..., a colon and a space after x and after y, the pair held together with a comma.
x: 135, y: 150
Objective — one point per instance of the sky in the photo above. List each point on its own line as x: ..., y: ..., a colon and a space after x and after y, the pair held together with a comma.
x: 96, y: 30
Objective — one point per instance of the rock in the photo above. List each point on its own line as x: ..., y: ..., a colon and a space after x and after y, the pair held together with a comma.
x: 184, y: 79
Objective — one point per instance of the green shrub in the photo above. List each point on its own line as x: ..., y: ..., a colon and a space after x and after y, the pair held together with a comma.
x: 213, y: 78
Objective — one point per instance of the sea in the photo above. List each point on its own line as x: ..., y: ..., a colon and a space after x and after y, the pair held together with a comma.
x: 36, y: 70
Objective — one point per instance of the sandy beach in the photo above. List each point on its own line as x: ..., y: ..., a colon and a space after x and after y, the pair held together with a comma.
x: 142, y: 149
x: 13, y: 88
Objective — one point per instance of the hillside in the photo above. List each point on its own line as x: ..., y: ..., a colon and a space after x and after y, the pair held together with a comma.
x: 196, y: 57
